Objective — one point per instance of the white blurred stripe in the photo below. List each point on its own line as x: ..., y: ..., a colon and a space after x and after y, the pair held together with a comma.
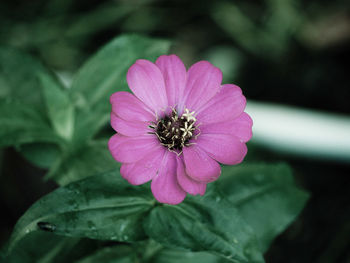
x: 299, y: 131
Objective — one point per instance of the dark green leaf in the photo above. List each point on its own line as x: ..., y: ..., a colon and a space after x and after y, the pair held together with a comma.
x: 102, y: 207
x: 19, y: 76
x: 184, y: 256
x: 272, y: 35
x: 91, y: 159
x: 40, y: 247
x: 42, y: 155
x: 104, y: 74
x: 116, y: 254
x: 59, y: 107
x: 21, y: 123
x: 46, y: 247
x: 265, y: 195
x: 208, y: 223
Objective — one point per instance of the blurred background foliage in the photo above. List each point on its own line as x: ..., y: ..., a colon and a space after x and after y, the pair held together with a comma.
x: 291, y: 52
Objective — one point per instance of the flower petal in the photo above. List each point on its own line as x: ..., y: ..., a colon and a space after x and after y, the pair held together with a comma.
x: 147, y: 83
x: 240, y: 127
x: 129, y: 128
x: 128, y: 107
x: 174, y: 73
x: 203, y: 82
x: 132, y: 149
x: 189, y: 185
x: 227, y: 104
x: 164, y: 186
x: 143, y: 170
x: 226, y: 149
x: 199, y: 166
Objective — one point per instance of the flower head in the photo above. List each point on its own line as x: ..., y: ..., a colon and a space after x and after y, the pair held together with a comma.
x: 177, y: 127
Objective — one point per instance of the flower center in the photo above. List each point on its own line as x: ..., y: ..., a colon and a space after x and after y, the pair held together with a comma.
x: 175, y: 132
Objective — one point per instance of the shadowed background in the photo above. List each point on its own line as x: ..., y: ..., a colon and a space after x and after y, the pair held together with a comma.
x: 288, y: 52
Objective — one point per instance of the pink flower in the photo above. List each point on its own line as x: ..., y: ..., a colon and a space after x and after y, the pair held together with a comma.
x: 177, y: 127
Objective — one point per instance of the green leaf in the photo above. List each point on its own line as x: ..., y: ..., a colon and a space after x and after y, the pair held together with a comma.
x: 21, y: 123
x: 22, y: 112
x: 208, y: 223
x: 90, y: 159
x: 46, y: 247
x: 265, y: 195
x: 267, y: 39
x: 104, y: 74
x: 116, y: 254
x: 42, y: 155
x: 40, y: 247
x: 184, y: 256
x: 59, y: 107
x: 102, y: 207
x: 19, y: 76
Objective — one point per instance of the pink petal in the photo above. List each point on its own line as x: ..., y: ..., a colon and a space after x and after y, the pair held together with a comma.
x: 199, y: 166
x: 128, y: 107
x: 189, y: 185
x: 226, y: 149
x: 132, y: 149
x: 240, y: 127
x: 143, y: 170
x: 129, y: 128
x: 227, y: 104
x: 203, y: 82
x: 164, y: 186
x: 174, y: 73
x: 147, y: 83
